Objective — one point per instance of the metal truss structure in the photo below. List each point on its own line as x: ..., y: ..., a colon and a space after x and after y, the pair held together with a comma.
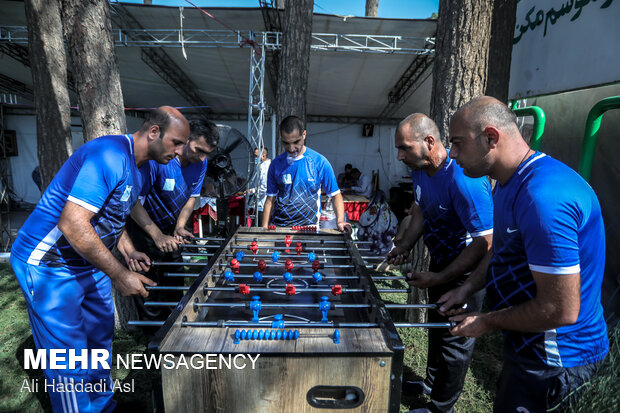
x: 415, y: 74
x: 256, y: 116
x: 5, y: 199
x: 139, y: 37
x: 151, y: 42
x: 156, y: 58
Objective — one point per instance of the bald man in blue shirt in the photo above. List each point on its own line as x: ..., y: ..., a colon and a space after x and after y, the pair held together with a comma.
x: 544, y: 274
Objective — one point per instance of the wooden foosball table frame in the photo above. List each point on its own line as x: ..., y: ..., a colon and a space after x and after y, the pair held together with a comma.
x: 358, y: 371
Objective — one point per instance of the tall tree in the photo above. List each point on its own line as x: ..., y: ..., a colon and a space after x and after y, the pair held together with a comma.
x: 372, y: 7
x: 459, y: 74
x: 88, y: 31
x: 294, y: 59
x: 49, y: 77
x: 500, y: 48
x: 461, y: 56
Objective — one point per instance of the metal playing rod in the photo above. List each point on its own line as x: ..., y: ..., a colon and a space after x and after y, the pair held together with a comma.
x: 387, y: 277
x: 199, y: 246
x: 203, y: 264
x: 136, y: 323
x: 166, y: 288
x: 450, y: 324
x: 295, y: 240
x: 263, y: 305
x: 273, y: 290
x: 306, y: 277
x: 241, y: 247
x: 285, y: 256
x: 285, y: 305
x: 242, y: 264
x: 177, y: 264
x: 180, y: 274
x: 209, y: 239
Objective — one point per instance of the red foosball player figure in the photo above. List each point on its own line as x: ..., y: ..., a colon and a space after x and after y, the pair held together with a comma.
x: 262, y: 266
x: 288, y: 265
x: 234, y: 265
x: 316, y: 265
x: 287, y: 242
x: 299, y: 248
x: 254, y: 247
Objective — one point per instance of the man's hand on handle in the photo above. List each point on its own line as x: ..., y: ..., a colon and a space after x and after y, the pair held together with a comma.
x: 132, y: 283
x: 166, y: 243
x: 397, y: 256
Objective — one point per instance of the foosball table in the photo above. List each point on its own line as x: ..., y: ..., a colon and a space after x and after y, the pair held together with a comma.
x: 302, y: 303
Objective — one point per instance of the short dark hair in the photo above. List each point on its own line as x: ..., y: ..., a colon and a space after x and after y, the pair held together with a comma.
x: 348, y: 166
x: 291, y: 124
x: 355, y: 171
x: 206, y: 129
x: 157, y: 117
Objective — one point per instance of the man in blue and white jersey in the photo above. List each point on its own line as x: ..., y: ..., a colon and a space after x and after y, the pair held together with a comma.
x: 62, y: 257
x: 543, y: 276
x: 455, y: 214
x: 169, y: 193
x: 295, y: 180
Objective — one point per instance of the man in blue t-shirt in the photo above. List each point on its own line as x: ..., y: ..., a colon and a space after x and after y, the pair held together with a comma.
x: 62, y: 259
x: 543, y: 276
x: 295, y: 179
x: 157, y: 226
x: 455, y: 214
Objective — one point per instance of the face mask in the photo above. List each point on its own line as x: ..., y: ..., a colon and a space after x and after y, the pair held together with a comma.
x: 290, y: 159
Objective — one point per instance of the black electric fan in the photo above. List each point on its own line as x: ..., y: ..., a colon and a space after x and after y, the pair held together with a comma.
x: 228, y: 169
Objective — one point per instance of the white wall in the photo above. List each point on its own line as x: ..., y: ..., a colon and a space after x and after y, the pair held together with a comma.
x: 339, y: 143
x: 23, y: 164
x: 343, y: 143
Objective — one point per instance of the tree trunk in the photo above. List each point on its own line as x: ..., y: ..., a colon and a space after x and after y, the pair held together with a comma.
x: 372, y: 6
x: 500, y: 48
x: 88, y: 31
x: 294, y: 59
x: 49, y: 77
x: 459, y: 74
x: 461, y: 55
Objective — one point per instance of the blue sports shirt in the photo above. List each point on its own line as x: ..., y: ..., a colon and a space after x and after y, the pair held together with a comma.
x: 297, y: 187
x: 548, y: 220
x: 455, y: 207
x: 168, y: 187
x: 101, y: 176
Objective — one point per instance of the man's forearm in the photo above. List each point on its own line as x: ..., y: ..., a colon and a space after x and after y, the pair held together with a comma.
x: 468, y: 258
x: 142, y: 218
x: 75, y: 225
x: 477, y: 279
x: 556, y: 304
x: 125, y: 245
x: 338, y: 202
x: 414, y: 231
x: 267, y: 211
x: 186, y: 212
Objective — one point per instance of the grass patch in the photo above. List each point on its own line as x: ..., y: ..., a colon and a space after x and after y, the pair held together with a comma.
x: 602, y: 393
x: 480, y: 382
x: 15, y: 336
